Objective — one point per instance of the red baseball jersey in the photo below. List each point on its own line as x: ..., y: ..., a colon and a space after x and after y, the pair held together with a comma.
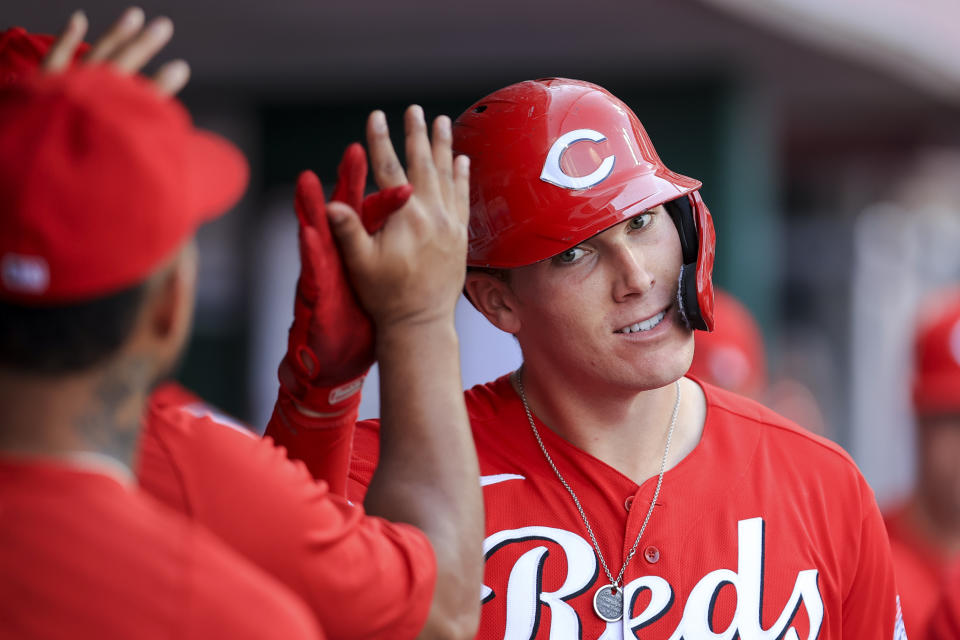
x: 84, y: 555
x: 921, y: 569
x: 762, y: 531
x: 944, y: 623
x: 361, y: 576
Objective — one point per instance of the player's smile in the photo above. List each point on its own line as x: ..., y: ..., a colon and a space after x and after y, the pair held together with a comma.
x: 653, y: 332
x: 645, y: 325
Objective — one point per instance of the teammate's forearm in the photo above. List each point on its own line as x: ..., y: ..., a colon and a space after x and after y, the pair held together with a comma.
x: 428, y: 474
x: 425, y: 433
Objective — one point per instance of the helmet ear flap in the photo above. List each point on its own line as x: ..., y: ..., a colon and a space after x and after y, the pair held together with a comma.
x: 682, y: 215
x: 687, y: 301
x: 695, y: 288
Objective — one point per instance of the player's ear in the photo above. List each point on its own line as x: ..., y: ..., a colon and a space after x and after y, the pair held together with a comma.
x: 171, y: 298
x: 166, y: 312
x: 492, y: 296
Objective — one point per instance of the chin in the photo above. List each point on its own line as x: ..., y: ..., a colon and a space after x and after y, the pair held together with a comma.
x: 648, y: 382
x: 647, y: 375
x: 667, y: 375
x: 685, y: 356
x: 667, y: 364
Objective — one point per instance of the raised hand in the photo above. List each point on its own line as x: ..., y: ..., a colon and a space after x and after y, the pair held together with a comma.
x: 331, y: 344
x: 413, y: 270
x: 409, y: 277
x: 128, y: 45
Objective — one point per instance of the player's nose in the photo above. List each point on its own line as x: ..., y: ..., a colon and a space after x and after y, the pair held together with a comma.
x: 631, y: 275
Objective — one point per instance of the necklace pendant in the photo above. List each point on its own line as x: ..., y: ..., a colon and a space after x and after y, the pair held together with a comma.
x: 608, y: 602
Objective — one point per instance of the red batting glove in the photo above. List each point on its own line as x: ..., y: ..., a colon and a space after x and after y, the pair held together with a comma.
x: 331, y: 342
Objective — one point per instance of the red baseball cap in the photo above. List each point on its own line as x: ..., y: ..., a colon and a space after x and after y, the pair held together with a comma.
x: 732, y: 355
x: 21, y: 53
x: 101, y: 180
x: 936, y: 380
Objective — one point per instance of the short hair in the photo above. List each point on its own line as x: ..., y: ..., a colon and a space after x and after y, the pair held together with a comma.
x: 499, y: 273
x: 56, y: 340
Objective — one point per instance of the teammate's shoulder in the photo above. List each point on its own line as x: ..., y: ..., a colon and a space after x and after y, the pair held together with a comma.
x: 172, y: 406
x: 726, y: 406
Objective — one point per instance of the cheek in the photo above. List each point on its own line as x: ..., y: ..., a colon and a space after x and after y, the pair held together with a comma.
x: 560, y: 322
x: 669, y: 253
x: 558, y: 293
x: 561, y: 316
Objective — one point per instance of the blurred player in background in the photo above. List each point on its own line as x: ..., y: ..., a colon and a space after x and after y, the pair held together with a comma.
x: 944, y: 621
x: 362, y: 576
x: 733, y: 357
x: 623, y: 499
x: 925, y: 530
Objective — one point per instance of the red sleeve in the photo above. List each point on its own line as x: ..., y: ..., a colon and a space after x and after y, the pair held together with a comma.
x: 871, y: 606
x: 322, y: 444
x: 945, y: 621
x: 366, y: 454
x: 226, y: 596
x: 361, y: 576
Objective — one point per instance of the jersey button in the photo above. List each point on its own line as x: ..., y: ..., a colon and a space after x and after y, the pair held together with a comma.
x: 628, y: 503
x: 652, y: 554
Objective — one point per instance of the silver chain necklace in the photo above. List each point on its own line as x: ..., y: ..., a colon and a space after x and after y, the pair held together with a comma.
x: 608, y: 599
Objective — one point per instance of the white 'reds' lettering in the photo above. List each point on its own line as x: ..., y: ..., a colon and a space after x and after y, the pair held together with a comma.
x: 661, y: 598
x: 525, y: 597
x: 524, y: 594
x: 554, y: 174
x: 748, y: 584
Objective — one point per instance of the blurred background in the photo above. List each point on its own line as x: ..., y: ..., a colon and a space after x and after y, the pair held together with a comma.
x: 826, y: 135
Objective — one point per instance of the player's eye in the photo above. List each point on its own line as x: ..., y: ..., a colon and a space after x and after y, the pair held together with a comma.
x: 570, y: 256
x: 641, y: 221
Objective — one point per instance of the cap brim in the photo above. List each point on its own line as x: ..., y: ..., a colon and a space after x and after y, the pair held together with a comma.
x: 217, y: 176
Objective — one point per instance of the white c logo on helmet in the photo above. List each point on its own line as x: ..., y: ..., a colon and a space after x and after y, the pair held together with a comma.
x: 554, y: 174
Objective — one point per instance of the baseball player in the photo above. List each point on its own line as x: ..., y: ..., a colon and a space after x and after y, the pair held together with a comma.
x: 96, y: 286
x: 732, y: 357
x: 925, y: 529
x: 362, y: 576
x: 624, y: 500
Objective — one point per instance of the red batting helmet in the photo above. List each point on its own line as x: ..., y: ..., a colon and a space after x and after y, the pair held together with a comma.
x: 556, y: 161
x: 936, y: 381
